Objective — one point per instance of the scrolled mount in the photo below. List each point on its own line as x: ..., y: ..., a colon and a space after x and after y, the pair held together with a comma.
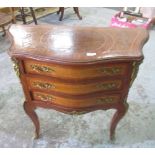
x: 16, y: 66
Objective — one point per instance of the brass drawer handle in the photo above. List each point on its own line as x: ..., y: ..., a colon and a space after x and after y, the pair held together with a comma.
x: 42, y: 68
x: 107, y: 86
x: 105, y: 100
x: 111, y: 71
x: 43, y: 85
x: 45, y: 98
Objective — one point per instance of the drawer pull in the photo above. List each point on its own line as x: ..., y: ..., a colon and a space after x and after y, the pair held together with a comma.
x: 43, y: 85
x: 111, y: 71
x: 107, y: 86
x: 45, y: 98
x: 42, y: 68
x: 105, y: 100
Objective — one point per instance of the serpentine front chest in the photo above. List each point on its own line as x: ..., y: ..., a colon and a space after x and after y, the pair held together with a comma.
x: 76, y: 70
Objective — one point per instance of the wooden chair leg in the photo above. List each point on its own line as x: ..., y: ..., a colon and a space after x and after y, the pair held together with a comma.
x: 61, y: 10
x: 76, y: 10
x: 13, y: 15
x: 21, y: 9
x: 33, y: 15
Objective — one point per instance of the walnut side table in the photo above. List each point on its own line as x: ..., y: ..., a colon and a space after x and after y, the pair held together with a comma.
x: 76, y: 70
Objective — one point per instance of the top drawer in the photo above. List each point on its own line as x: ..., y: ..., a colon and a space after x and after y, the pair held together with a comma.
x: 75, y: 72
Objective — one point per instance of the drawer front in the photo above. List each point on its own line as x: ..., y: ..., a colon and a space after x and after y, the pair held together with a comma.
x: 53, y: 85
x: 69, y: 102
x: 42, y: 68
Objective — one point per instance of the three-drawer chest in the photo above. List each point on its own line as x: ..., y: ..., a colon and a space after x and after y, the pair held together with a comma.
x: 76, y: 70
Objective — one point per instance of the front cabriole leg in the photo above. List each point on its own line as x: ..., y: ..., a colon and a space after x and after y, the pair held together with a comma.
x: 30, y: 111
x: 118, y: 115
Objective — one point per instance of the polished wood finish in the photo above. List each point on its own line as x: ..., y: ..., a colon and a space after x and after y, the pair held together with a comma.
x: 76, y: 70
x: 62, y: 71
x: 48, y: 85
x: 76, y: 102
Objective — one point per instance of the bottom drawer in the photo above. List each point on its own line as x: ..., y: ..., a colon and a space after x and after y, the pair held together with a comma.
x: 76, y: 102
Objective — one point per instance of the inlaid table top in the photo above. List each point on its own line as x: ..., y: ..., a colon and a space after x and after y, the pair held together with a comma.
x: 78, y: 44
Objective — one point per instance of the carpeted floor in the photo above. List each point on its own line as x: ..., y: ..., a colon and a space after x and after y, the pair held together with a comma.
x: 136, y: 129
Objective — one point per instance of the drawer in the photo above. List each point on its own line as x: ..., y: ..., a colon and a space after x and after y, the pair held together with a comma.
x: 73, y: 88
x: 77, y: 102
x: 75, y: 72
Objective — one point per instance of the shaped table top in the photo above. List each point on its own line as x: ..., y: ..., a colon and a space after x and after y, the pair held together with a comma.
x: 77, y: 44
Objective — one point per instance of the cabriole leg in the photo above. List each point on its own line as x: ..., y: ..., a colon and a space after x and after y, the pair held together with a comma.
x: 33, y: 116
x: 116, y: 118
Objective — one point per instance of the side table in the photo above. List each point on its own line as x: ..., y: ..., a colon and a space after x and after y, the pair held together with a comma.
x: 76, y: 70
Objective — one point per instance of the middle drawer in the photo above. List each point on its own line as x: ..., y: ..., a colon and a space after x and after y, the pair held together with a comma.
x: 74, y: 88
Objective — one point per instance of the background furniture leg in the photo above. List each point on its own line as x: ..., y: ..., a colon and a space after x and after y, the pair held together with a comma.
x: 23, y: 15
x: 76, y: 10
x: 116, y: 118
x: 3, y: 28
x: 61, y: 10
x: 13, y: 15
x: 33, y: 116
x: 33, y: 15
